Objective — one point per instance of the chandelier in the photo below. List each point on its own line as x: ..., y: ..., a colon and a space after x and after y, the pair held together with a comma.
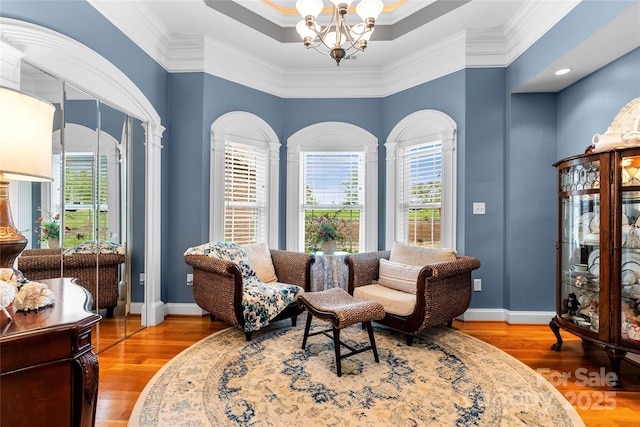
x: 337, y: 39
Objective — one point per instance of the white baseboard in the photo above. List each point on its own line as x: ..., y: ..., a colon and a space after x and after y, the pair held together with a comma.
x: 511, y: 317
x: 172, y: 308
x: 184, y: 308
x: 478, y: 314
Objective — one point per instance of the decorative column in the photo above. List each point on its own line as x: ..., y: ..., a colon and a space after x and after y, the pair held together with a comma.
x: 153, y: 309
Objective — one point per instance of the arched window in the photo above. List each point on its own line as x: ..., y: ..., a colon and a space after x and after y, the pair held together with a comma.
x: 332, y: 169
x: 244, y: 180
x: 421, y: 180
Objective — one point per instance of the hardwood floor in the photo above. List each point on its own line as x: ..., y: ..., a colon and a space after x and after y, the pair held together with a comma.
x: 126, y: 368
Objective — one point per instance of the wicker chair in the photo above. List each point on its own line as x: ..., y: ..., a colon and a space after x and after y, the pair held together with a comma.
x: 217, y: 284
x: 38, y: 264
x: 443, y: 291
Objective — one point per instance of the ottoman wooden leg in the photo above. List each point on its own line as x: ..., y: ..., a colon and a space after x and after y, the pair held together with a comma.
x: 372, y: 341
x: 336, y: 345
x: 306, y: 330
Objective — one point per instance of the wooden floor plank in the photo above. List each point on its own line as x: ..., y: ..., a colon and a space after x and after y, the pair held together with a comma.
x: 126, y: 368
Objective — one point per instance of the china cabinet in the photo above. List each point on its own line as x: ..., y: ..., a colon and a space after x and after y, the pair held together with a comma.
x: 598, y: 252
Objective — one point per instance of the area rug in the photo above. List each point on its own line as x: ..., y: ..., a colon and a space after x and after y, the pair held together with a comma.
x: 446, y: 378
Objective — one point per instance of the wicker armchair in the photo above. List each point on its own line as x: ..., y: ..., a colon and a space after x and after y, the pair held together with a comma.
x: 218, y: 287
x: 38, y: 264
x: 443, y: 291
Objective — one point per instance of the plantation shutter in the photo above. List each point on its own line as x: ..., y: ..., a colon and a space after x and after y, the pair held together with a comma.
x: 420, y: 188
x: 80, y: 183
x: 245, y: 193
x: 333, y: 180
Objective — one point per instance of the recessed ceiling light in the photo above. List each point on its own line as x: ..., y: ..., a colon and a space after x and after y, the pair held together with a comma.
x: 563, y: 71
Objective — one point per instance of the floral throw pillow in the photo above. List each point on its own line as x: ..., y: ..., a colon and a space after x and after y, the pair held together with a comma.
x: 227, y: 251
x: 91, y: 247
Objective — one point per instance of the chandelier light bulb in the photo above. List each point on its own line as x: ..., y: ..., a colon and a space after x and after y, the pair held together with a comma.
x: 331, y: 40
x: 309, y: 8
x: 305, y: 31
x: 369, y: 9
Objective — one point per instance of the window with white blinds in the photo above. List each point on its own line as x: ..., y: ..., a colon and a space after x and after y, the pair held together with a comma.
x: 245, y: 193
x: 85, y: 176
x: 333, y: 184
x: 420, y: 186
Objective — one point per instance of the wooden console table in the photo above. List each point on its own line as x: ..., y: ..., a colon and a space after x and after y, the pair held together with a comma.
x: 48, y: 371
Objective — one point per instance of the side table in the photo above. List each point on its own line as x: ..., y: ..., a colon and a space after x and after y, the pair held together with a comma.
x: 48, y: 370
x: 329, y: 271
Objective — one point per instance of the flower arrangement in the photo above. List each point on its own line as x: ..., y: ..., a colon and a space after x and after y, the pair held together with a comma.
x: 326, y: 227
x: 49, y: 225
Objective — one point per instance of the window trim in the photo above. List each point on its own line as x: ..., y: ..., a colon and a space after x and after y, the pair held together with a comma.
x: 332, y: 137
x: 418, y: 128
x: 249, y: 129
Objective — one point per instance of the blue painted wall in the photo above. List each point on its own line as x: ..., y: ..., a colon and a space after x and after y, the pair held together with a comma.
x: 482, y: 175
x: 530, y: 203
x: 506, y: 142
x: 590, y: 105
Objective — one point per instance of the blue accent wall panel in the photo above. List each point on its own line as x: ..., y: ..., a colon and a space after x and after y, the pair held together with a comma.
x: 531, y: 203
x: 481, y: 174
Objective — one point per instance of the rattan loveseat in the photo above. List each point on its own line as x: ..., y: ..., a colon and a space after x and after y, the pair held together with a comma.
x: 442, y: 291
x: 218, y: 284
x: 38, y: 264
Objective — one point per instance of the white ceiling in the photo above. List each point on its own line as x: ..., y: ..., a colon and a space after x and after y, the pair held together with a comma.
x: 252, y: 43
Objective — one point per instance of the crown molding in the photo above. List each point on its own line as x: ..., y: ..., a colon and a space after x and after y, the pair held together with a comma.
x: 430, y: 63
x: 531, y: 22
x: 135, y: 20
x: 494, y: 47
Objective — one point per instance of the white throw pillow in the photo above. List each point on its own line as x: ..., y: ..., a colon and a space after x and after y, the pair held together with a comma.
x: 401, y: 277
x: 260, y: 259
x: 417, y: 255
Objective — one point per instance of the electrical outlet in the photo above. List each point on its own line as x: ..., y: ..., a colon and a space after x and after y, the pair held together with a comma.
x: 141, y: 279
x: 478, y: 208
x: 189, y: 279
x: 477, y: 285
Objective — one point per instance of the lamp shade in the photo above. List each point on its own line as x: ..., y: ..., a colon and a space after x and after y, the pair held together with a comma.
x: 26, y: 130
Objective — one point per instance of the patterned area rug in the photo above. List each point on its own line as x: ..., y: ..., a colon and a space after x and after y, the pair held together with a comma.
x: 446, y: 378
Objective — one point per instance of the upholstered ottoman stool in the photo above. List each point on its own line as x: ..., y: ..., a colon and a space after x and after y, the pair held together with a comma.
x: 342, y: 310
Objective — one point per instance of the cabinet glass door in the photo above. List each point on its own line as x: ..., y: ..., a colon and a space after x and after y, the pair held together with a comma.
x: 630, y: 242
x: 580, y: 245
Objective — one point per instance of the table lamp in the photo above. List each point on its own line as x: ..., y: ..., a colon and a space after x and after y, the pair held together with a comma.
x: 26, y: 131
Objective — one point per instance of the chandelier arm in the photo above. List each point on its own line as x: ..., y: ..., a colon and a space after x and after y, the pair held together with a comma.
x: 338, y: 38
